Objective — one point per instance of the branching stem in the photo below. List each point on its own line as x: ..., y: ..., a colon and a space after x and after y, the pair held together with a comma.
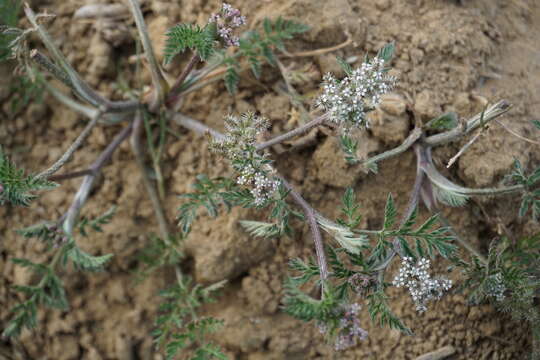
x: 86, y: 185
x: 310, y: 213
x: 479, y: 119
x: 158, y: 80
x: 67, y: 74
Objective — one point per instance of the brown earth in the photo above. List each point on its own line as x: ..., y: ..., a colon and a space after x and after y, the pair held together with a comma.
x: 451, y: 55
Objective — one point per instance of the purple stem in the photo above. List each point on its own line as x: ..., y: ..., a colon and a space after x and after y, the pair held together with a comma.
x: 314, y: 227
x: 295, y: 132
x: 88, y: 181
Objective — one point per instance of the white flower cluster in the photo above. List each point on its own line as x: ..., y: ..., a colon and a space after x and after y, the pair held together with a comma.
x: 262, y: 186
x: 347, y: 101
x: 421, y: 286
x: 495, y: 287
x: 226, y: 22
x: 239, y: 147
x: 349, y: 328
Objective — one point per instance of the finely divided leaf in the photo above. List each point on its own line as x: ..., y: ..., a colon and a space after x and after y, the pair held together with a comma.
x: 344, y: 65
x: 231, y: 79
x: 260, y: 229
x: 390, y: 213
x: 16, y: 187
x: 387, y: 52
x: 186, y: 36
x: 86, y: 262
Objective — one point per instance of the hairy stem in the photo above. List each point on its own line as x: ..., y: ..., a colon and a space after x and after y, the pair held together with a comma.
x: 84, y: 190
x: 77, y: 83
x: 177, y: 86
x: 314, y: 227
x: 479, y: 119
x: 424, y: 159
x: 69, y: 152
x: 157, y: 76
x: 409, y: 141
x: 71, y: 175
x: 295, y: 132
x: 196, y: 126
x: 439, y: 180
x: 87, y: 111
x: 152, y: 193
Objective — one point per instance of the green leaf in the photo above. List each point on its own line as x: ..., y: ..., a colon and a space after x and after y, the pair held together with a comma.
x: 410, y: 221
x: 307, y: 271
x: 208, y: 194
x: 96, y: 223
x: 186, y: 36
x: 536, y: 123
x: 231, y: 79
x: 344, y: 65
x: 304, y: 307
x: 350, y: 209
x: 525, y: 204
x: 16, y: 187
x: 387, y: 52
x: 390, y: 213
x: 446, y: 121
x: 534, y: 178
x: 179, y: 327
x: 448, y: 197
x: 350, y: 241
x: 380, y: 313
x: 268, y: 54
x: 267, y: 26
x: 350, y: 148
x: 260, y: 229
x: 9, y: 15
x: 255, y: 66
x: 86, y: 262
x: 44, y: 231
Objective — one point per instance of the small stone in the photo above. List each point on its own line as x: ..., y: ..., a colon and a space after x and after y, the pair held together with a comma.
x: 382, y: 5
x: 393, y: 104
x: 389, y: 129
x: 332, y: 168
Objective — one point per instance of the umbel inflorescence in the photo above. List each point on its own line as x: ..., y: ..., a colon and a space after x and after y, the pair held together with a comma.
x: 226, y: 21
x: 239, y: 148
x: 422, y: 287
x: 348, y: 100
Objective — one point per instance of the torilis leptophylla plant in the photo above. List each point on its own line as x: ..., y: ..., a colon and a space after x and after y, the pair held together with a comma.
x: 355, y: 271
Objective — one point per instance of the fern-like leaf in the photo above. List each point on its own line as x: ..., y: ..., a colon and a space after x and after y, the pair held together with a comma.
x: 16, y: 187
x: 86, y: 262
x: 186, y: 36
